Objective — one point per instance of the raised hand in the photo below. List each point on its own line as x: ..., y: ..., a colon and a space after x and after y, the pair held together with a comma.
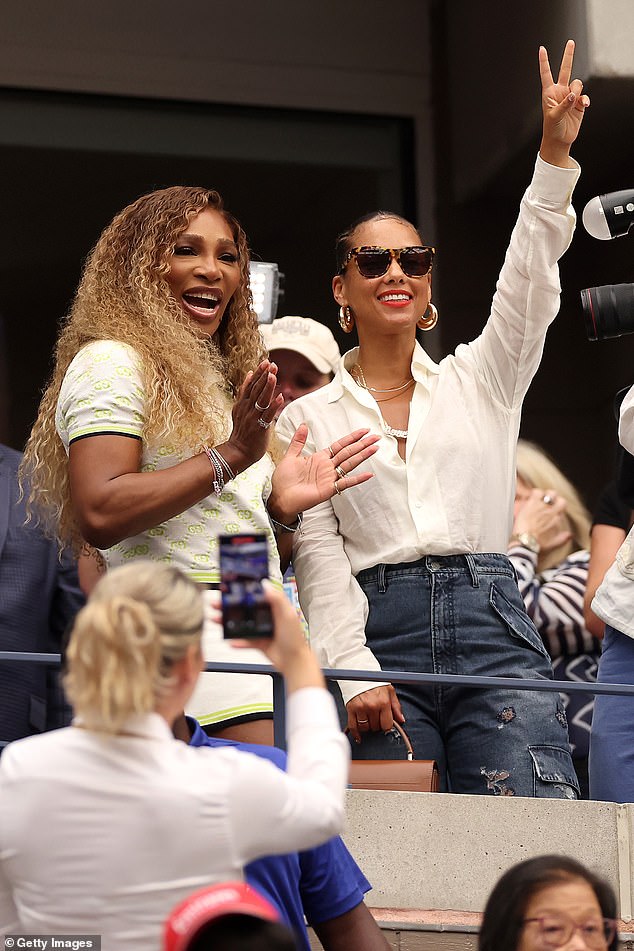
x: 543, y: 516
x: 563, y: 107
x: 254, y: 412
x: 302, y: 481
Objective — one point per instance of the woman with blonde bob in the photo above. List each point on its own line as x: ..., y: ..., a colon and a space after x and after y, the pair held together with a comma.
x: 549, y: 549
x: 107, y: 824
x: 153, y: 434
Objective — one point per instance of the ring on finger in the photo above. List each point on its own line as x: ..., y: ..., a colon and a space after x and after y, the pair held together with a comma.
x: 337, y: 489
x: 331, y: 451
x: 340, y: 472
x: 264, y: 423
x: 362, y: 721
x: 261, y: 408
x: 548, y: 500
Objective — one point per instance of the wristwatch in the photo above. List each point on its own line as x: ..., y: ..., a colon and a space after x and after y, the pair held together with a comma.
x: 527, y: 541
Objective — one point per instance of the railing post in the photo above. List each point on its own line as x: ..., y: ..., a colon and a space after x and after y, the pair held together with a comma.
x: 279, y: 711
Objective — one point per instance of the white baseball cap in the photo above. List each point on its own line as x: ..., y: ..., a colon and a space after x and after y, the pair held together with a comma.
x: 306, y: 336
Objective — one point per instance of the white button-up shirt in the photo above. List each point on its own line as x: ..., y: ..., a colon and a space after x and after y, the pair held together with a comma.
x: 614, y: 599
x: 105, y: 834
x: 454, y: 492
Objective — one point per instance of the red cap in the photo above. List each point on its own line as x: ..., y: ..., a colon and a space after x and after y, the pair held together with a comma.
x: 207, y: 904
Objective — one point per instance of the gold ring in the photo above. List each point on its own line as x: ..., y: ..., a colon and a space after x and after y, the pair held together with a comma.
x: 331, y: 451
x: 337, y: 488
x: 340, y: 471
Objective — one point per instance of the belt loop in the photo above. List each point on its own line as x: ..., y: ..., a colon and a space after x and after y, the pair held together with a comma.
x: 380, y: 579
x: 473, y: 571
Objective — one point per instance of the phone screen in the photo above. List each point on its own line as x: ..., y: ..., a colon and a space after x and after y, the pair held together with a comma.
x: 244, y: 562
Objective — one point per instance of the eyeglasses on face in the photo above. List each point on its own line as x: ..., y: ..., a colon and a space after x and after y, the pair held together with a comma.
x: 555, y: 931
x: 374, y: 262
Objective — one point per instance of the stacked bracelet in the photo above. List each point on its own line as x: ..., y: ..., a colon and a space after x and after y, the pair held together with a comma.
x: 223, y: 462
x: 279, y: 527
x: 219, y: 465
x: 218, y: 483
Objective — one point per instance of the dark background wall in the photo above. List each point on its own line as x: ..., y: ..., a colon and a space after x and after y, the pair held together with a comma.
x: 305, y: 116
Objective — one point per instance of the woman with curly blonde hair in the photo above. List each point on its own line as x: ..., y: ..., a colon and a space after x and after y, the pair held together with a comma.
x: 153, y: 434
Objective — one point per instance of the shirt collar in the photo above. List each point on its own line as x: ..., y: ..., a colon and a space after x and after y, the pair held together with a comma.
x: 151, y: 726
x: 422, y: 367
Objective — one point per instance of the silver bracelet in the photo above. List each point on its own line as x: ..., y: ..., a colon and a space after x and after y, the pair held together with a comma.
x: 219, y: 480
x: 279, y: 528
x: 223, y: 462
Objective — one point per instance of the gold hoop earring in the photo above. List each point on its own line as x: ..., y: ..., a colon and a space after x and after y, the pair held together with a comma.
x: 429, y: 318
x: 346, y: 320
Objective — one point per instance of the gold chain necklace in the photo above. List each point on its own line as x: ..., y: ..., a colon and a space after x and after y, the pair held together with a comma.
x: 360, y: 379
x: 395, y: 390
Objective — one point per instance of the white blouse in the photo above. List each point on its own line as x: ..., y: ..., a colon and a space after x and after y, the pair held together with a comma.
x: 105, y: 834
x: 454, y: 493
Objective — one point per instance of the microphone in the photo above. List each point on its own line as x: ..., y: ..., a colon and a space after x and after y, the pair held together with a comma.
x: 609, y: 216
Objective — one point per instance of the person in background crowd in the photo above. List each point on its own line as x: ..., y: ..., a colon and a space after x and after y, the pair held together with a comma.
x: 549, y: 551
x: 408, y: 572
x: 106, y: 824
x: 306, y: 355
x: 39, y: 598
x: 153, y: 434
x: 231, y: 916
x: 305, y: 352
x: 323, y: 885
x: 547, y: 903
x: 611, y: 747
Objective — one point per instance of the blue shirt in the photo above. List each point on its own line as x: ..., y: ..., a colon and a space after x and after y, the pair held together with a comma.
x: 320, y: 883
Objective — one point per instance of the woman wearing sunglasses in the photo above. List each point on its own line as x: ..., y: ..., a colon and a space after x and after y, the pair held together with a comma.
x: 407, y: 572
x: 549, y: 903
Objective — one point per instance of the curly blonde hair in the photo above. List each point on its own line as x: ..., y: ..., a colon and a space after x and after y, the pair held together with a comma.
x: 123, y: 295
x: 140, y: 620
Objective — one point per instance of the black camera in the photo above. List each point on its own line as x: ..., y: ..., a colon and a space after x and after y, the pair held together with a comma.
x: 608, y: 311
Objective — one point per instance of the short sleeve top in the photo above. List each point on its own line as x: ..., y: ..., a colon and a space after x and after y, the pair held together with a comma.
x: 103, y: 393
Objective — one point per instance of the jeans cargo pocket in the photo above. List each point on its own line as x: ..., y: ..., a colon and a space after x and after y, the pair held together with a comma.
x: 555, y: 776
x: 517, y: 621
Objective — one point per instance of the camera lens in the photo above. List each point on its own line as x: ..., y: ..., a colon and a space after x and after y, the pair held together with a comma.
x: 608, y: 311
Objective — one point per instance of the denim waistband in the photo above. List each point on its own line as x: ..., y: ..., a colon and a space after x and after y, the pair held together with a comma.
x: 474, y: 565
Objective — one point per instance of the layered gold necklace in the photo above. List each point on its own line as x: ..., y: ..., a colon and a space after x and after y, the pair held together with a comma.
x: 359, y: 377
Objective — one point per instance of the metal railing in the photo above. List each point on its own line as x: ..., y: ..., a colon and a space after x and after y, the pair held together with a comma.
x: 370, y: 676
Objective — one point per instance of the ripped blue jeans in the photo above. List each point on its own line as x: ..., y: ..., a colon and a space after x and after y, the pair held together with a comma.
x: 463, y: 614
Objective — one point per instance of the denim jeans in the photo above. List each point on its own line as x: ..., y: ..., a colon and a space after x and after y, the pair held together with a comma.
x: 463, y: 614
x: 611, y: 741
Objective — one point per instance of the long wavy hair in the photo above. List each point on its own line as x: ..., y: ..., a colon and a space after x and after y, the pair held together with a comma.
x: 538, y: 471
x: 123, y: 295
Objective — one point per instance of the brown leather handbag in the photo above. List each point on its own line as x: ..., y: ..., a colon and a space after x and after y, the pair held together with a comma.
x: 408, y: 775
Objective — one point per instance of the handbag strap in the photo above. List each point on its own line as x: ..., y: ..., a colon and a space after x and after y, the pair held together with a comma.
x: 406, y: 740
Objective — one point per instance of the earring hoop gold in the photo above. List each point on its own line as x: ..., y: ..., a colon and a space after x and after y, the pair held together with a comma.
x: 429, y: 318
x: 346, y: 320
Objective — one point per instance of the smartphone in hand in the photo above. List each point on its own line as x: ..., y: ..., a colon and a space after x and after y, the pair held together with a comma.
x: 244, y: 562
